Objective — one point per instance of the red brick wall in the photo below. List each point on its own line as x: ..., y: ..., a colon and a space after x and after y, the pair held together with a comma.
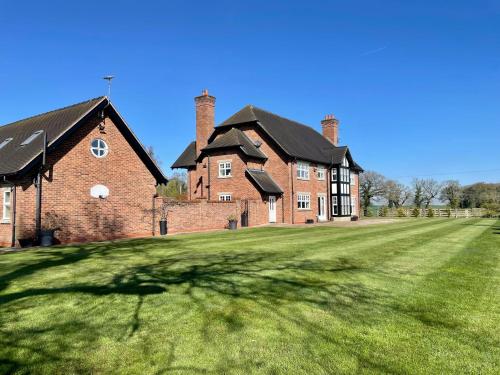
x: 314, y: 187
x: 126, y: 212
x: 199, y: 215
x: 355, y: 193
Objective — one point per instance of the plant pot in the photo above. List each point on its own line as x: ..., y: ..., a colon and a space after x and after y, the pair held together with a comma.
x: 163, y: 227
x: 233, y: 224
x: 47, y: 237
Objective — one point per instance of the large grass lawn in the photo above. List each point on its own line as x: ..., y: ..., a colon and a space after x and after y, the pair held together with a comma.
x: 416, y: 296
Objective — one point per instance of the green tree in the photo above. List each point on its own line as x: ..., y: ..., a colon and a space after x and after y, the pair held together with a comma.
x: 371, y: 185
x: 451, y: 193
x: 175, y: 188
x: 418, y: 192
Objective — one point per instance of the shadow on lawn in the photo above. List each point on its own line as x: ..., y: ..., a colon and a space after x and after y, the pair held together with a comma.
x: 268, y: 279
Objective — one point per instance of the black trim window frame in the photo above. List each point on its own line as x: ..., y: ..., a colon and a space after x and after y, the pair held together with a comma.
x: 341, y: 190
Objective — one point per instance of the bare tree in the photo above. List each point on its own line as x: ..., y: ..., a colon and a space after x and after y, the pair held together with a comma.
x: 451, y: 193
x: 372, y: 185
x: 431, y: 189
x: 396, y: 194
x: 152, y: 154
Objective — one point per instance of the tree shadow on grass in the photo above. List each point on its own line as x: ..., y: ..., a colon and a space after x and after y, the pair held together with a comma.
x: 273, y: 281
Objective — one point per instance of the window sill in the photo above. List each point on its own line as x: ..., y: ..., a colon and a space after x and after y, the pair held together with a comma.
x: 224, y: 176
x: 5, y: 221
x: 304, y: 209
x: 303, y: 179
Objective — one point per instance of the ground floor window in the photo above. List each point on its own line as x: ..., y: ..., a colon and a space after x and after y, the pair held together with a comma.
x: 303, y: 201
x: 6, y: 205
x: 224, y: 197
x: 353, y: 205
x: 335, y: 206
x: 345, y: 205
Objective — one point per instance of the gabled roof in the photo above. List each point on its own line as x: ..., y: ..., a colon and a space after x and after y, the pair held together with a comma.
x: 295, y: 139
x: 264, y: 181
x: 58, y: 124
x: 236, y: 138
x: 187, y: 158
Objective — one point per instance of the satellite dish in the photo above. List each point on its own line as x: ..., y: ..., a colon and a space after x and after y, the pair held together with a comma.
x: 99, y: 191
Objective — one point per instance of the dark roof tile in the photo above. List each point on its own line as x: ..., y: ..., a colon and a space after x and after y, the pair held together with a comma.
x: 236, y: 138
x: 187, y: 158
x: 264, y: 181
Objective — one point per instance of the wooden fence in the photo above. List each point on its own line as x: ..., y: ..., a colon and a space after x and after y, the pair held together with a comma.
x: 424, y: 212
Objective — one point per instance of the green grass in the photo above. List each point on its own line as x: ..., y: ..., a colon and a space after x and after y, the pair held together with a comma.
x: 416, y: 296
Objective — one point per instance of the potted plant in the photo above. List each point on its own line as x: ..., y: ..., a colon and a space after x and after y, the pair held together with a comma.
x: 51, y: 223
x: 232, y: 222
x: 163, y: 219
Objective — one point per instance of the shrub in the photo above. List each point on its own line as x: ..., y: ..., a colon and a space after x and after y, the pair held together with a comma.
x: 384, y: 212
x: 401, y: 212
x: 492, y: 210
x: 369, y: 212
x: 415, y: 212
x: 430, y: 212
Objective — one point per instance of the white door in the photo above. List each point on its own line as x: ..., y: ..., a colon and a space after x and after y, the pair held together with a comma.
x: 272, y: 209
x: 321, y: 207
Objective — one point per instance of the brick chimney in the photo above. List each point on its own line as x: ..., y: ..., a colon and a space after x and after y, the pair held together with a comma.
x: 330, y: 127
x: 205, y: 119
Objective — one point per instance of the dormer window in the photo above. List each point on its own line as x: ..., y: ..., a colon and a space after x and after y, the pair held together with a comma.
x: 5, y: 142
x: 31, y: 138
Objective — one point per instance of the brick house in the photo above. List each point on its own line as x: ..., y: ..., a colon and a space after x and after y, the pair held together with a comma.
x: 297, y: 174
x: 97, y: 179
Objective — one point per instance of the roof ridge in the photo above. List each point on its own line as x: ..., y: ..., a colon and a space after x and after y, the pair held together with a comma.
x: 54, y: 110
x: 284, y: 118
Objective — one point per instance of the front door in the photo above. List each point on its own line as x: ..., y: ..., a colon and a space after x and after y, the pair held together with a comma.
x: 321, y: 207
x: 272, y: 209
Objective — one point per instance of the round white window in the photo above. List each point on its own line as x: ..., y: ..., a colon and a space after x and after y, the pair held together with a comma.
x: 99, y: 148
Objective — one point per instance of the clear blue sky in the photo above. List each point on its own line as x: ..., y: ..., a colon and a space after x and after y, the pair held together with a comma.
x: 416, y: 85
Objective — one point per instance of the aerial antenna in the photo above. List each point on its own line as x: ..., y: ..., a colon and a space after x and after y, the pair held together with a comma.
x: 109, y: 78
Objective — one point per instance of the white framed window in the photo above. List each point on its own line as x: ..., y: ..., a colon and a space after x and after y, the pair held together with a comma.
x: 224, y: 197
x: 335, y: 206
x: 353, y: 181
x: 334, y: 174
x: 224, y: 168
x: 320, y: 173
x: 6, y: 205
x: 353, y: 205
x: 304, y: 201
x: 334, y: 188
x: 99, y: 148
x: 302, y: 170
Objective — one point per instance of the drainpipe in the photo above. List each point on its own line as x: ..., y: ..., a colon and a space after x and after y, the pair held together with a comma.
x: 39, y: 178
x: 293, y: 192
x: 208, y: 176
x: 154, y: 213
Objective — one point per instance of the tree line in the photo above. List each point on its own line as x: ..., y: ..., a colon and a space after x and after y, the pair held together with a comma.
x: 422, y: 192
